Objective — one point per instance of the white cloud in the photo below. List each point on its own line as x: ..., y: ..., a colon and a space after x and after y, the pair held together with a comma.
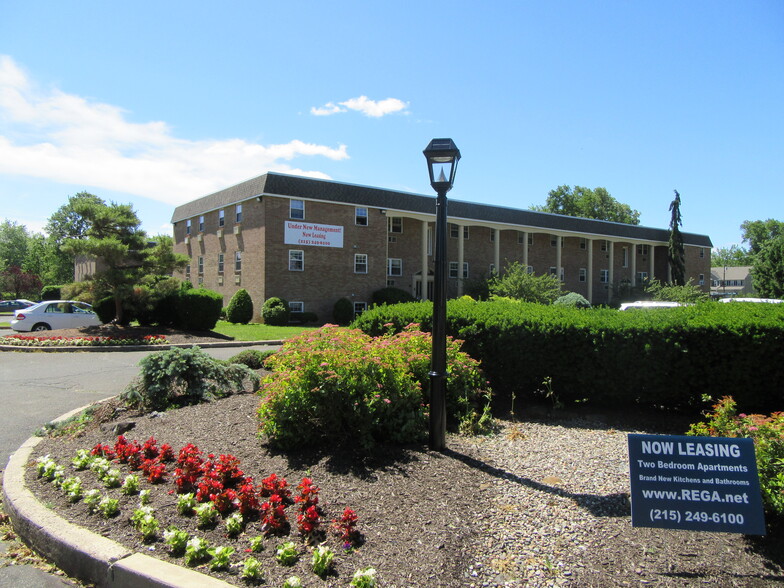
x: 66, y: 138
x: 364, y: 105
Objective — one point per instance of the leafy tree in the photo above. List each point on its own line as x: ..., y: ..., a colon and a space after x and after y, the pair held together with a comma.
x: 161, y: 259
x: 732, y: 256
x: 686, y: 293
x: 757, y: 233
x: 516, y: 282
x: 68, y: 221
x: 21, y: 283
x: 13, y: 244
x: 114, y: 238
x: 676, y: 254
x: 768, y: 268
x: 587, y: 203
x: 46, y: 259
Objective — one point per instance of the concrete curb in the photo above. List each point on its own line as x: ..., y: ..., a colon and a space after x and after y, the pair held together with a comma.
x: 65, y: 348
x: 79, y: 552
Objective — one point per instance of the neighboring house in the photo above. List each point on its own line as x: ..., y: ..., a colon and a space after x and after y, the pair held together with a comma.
x: 312, y: 242
x: 729, y: 281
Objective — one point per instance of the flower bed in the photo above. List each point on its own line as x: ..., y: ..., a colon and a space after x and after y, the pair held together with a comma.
x: 85, y: 341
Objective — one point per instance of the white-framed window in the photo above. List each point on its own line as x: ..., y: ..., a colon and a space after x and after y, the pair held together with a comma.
x: 454, y: 231
x: 492, y: 235
x: 361, y: 216
x: 359, y: 308
x: 642, y: 250
x: 701, y: 280
x: 642, y: 277
x: 360, y: 263
x: 220, y: 263
x: 238, y: 213
x: 453, y: 269
x: 625, y: 257
x: 583, y: 274
x: 702, y: 252
x: 562, y: 277
x: 188, y: 227
x: 553, y: 240
x: 530, y: 269
x: 201, y: 224
x: 583, y: 243
x: 188, y: 272
x: 394, y: 266
x: 201, y: 264
x: 297, y: 209
x: 296, y: 306
x: 238, y: 261
x: 296, y: 260
x: 395, y: 224
x: 221, y: 218
x: 520, y: 237
x: 530, y: 238
x: 604, y: 276
x: 552, y: 270
x: 603, y: 246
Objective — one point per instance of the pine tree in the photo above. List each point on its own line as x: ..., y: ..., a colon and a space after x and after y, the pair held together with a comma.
x: 675, y: 252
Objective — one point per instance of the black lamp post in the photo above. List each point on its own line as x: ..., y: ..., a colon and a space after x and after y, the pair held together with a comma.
x: 442, y: 156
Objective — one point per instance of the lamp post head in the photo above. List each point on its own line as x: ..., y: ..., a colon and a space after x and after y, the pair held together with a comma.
x: 442, y: 156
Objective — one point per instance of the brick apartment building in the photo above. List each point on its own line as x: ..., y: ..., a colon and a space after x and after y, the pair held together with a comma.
x: 313, y: 242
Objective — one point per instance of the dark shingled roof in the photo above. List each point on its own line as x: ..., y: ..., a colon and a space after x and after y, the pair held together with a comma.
x: 275, y: 184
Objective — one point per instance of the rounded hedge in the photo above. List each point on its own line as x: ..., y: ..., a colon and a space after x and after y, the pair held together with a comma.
x: 275, y: 312
x: 240, y: 308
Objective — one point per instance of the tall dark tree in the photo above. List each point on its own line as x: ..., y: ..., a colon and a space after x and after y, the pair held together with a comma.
x: 675, y: 252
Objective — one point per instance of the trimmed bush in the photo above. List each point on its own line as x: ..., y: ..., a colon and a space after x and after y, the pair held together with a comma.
x: 303, y: 318
x: 343, y: 311
x: 572, y: 299
x: 179, y: 377
x: 340, y: 386
x: 253, y: 358
x: 240, y: 308
x: 391, y: 295
x: 275, y: 312
x: 51, y: 293
x: 198, y: 309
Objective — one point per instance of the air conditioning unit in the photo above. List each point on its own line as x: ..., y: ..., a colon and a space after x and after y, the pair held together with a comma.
x: 220, y: 280
x: 237, y: 229
x: 237, y: 279
x: 199, y: 238
x: 220, y: 233
x: 187, y: 240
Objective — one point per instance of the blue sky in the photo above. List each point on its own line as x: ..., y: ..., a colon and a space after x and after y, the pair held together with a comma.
x: 158, y: 103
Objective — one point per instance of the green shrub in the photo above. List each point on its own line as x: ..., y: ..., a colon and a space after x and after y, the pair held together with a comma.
x: 515, y: 282
x: 240, y: 308
x: 166, y: 300
x: 303, y: 318
x: 572, y: 299
x: 179, y: 377
x: 768, y: 435
x: 106, y: 310
x: 341, y: 386
x: 275, y: 312
x: 198, y: 309
x: 253, y: 358
x: 81, y: 291
x: 50, y: 293
x: 343, y: 311
x: 391, y: 295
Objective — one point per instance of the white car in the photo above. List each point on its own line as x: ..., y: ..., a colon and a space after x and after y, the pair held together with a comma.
x: 55, y: 314
x: 763, y: 300
x: 650, y: 304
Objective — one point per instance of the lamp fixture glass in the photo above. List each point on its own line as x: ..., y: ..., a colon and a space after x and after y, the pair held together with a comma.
x: 442, y: 156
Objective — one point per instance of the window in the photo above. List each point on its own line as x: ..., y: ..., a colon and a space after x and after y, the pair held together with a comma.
x: 238, y: 213
x: 297, y: 209
x: 603, y: 246
x: 361, y: 216
x: 562, y: 276
x: 625, y: 256
x: 530, y: 238
x: 201, y: 224
x: 188, y: 227
x: 553, y: 240
x: 701, y: 281
x: 394, y: 267
x: 453, y: 269
x: 360, y: 263
x: 296, y: 260
x: 220, y: 263
x: 520, y: 237
x: 583, y: 243
x: 238, y: 261
x: 297, y: 306
x: 453, y: 231
x: 604, y: 276
x: 221, y: 218
x: 491, y: 269
x: 552, y: 270
x: 395, y: 224
x: 188, y: 272
x: 201, y: 265
x: 530, y: 269
x: 359, y: 308
x: 583, y: 274
x: 642, y: 277
x: 642, y: 250
x: 492, y: 235
x: 702, y: 252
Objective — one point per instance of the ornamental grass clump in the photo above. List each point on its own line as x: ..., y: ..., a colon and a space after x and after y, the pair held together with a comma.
x: 342, y: 386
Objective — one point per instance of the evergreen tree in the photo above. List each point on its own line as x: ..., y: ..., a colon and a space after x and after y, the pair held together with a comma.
x: 675, y: 251
x: 768, y: 269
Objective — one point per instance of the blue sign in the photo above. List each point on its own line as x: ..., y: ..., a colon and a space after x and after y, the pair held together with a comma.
x: 695, y: 483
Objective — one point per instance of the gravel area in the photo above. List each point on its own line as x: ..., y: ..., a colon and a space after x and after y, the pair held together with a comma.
x: 544, y: 502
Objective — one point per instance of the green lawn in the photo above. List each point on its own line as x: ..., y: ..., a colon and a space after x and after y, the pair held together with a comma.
x: 257, y: 332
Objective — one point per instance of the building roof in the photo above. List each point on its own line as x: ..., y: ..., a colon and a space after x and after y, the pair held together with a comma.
x: 276, y: 184
x: 730, y: 272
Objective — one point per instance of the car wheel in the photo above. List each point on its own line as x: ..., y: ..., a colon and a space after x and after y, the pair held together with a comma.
x: 41, y: 327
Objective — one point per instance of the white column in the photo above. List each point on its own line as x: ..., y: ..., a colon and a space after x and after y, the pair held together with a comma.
x: 460, y: 258
x: 650, y: 254
x: 589, y: 277
x: 423, y: 253
x: 558, y: 256
x: 525, y: 249
x: 634, y: 265
x: 497, y: 251
x: 611, y: 272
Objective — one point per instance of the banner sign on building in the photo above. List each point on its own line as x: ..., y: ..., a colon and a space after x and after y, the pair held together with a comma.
x: 316, y: 235
x: 695, y: 483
